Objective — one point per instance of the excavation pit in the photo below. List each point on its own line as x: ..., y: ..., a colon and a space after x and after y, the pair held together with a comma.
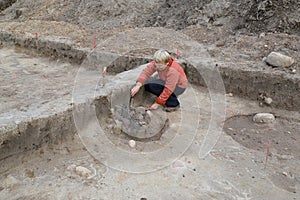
x: 53, y: 123
x: 43, y: 153
x: 134, y: 118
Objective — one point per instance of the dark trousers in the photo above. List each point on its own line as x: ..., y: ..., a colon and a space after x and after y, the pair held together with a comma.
x: 157, y: 86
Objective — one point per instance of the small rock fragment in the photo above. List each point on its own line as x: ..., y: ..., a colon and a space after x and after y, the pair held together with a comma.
x: 82, y: 171
x: 262, y: 35
x: 285, y: 173
x: 230, y: 94
x: 268, y: 100
x: 29, y: 173
x: 285, y: 157
x: 71, y: 168
x: 264, y: 118
x: 117, y: 130
x: 220, y: 43
x: 293, y: 71
x: 132, y: 143
x: 279, y: 60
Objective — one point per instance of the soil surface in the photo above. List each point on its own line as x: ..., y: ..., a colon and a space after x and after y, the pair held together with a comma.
x: 283, y: 134
x: 233, y: 33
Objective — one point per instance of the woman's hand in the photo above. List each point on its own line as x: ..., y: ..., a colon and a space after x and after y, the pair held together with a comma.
x: 136, y: 89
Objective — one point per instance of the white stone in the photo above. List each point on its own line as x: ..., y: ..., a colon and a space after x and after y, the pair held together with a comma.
x: 71, y: 168
x: 268, y: 100
x: 279, y: 60
x: 263, y: 118
x: 132, y: 143
x: 82, y: 171
x: 285, y: 173
x: 262, y: 35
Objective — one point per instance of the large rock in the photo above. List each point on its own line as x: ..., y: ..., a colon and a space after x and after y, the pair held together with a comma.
x: 279, y: 60
x: 264, y: 118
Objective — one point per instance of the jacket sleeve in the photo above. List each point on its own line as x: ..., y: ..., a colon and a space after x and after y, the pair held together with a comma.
x: 146, y: 73
x: 171, y: 81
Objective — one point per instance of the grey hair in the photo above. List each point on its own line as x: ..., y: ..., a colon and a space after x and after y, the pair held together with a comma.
x: 161, y: 56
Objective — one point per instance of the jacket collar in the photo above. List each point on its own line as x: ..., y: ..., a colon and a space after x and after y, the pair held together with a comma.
x: 170, y: 61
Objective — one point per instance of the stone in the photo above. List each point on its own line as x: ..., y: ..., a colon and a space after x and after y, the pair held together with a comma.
x: 285, y: 157
x: 117, y: 130
x: 284, y: 173
x: 29, y: 173
x: 71, y: 168
x: 268, y: 100
x: 20, y: 12
x: 293, y: 71
x: 279, y: 60
x: 220, y: 43
x: 132, y: 143
x: 264, y: 118
x: 82, y: 171
x: 262, y: 35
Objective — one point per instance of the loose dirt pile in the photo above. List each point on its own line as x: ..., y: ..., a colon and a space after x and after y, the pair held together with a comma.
x: 246, y: 15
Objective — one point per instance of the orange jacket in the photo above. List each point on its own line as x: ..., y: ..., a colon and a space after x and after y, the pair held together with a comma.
x: 173, y: 76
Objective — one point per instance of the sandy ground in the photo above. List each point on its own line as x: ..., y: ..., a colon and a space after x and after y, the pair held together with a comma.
x: 206, y: 162
x: 230, y: 170
x: 210, y: 162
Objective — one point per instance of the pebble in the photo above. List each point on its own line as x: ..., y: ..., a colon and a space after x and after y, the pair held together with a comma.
x: 82, y: 171
x: 29, y: 173
x: 117, y: 130
x: 285, y: 173
x: 264, y: 118
x: 220, y: 43
x: 268, y: 100
x: 279, y: 60
x: 262, y: 35
x: 71, y: 168
x: 132, y: 143
x: 285, y: 157
x: 293, y: 71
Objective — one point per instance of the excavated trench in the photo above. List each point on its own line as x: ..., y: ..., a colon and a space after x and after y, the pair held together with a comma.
x: 25, y: 129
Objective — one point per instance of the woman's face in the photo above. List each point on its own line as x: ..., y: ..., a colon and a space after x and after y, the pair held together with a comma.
x: 161, y: 66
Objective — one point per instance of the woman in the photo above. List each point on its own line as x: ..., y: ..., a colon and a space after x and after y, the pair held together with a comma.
x: 171, y: 83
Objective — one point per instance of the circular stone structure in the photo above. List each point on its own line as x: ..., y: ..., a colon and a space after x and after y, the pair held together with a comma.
x: 133, y: 118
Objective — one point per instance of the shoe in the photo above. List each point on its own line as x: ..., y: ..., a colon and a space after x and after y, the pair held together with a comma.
x: 171, y: 109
